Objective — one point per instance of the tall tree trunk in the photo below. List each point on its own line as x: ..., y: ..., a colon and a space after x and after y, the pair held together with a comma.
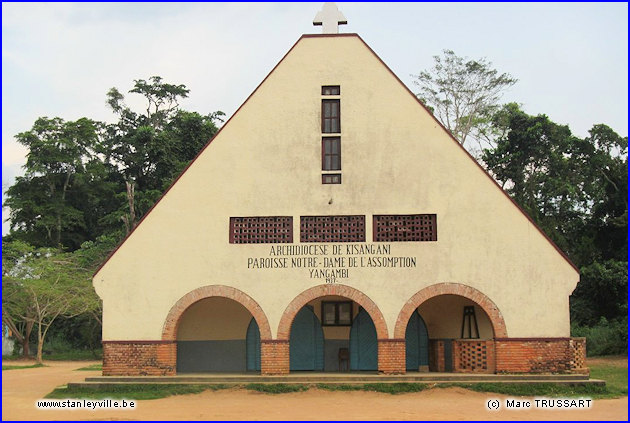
x: 130, y: 219
x: 63, y: 201
x: 27, y: 336
x: 25, y: 348
x: 40, y: 344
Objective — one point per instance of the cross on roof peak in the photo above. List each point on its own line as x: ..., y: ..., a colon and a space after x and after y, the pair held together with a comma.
x: 330, y: 18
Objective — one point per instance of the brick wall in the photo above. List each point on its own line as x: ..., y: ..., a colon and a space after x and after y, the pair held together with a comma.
x: 540, y: 355
x: 139, y: 358
x: 391, y: 356
x: 274, y: 357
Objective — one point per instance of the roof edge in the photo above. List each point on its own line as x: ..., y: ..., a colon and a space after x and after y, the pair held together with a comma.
x: 496, y: 184
x: 196, y: 157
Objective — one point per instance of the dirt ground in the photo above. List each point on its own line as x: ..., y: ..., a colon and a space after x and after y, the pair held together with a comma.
x: 21, y: 388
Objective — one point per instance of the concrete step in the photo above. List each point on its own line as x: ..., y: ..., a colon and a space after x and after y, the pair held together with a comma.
x: 142, y: 381
x: 321, y: 378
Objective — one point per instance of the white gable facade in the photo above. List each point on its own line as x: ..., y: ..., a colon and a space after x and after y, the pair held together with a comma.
x: 333, y: 215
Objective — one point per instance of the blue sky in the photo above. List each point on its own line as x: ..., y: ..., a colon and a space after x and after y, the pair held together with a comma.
x: 60, y: 59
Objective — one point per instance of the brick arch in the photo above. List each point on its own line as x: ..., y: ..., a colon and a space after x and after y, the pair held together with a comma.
x: 491, y: 309
x: 169, y: 332
x: 284, y: 328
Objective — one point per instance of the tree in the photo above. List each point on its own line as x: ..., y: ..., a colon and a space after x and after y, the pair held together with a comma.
x: 535, y: 163
x: 45, y: 206
x: 149, y: 149
x: 463, y: 94
x: 82, y: 178
x: 15, y: 303
x: 47, y: 284
x: 575, y: 190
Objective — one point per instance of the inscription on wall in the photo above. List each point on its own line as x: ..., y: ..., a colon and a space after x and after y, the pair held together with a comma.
x: 330, y: 262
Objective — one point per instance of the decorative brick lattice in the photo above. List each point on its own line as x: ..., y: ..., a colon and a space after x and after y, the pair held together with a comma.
x: 578, y: 350
x: 332, y: 229
x: 261, y: 230
x: 405, y: 227
x: 472, y: 356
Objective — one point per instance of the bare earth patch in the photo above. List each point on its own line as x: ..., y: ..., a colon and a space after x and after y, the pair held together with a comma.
x: 616, y: 361
x: 22, y: 387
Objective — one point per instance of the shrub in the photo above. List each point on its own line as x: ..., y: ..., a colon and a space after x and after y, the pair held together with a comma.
x: 605, y: 338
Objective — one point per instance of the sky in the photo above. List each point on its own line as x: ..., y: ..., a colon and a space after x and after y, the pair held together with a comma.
x: 60, y: 59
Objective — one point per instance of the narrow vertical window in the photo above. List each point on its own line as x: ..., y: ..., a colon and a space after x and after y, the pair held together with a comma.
x: 331, y: 153
x: 331, y: 117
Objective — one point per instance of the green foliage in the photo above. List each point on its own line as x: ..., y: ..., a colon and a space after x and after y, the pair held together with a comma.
x: 85, y: 185
x: 147, y: 150
x: 604, y: 338
x: 276, y: 388
x: 340, y: 386
x: 15, y: 367
x: 131, y: 391
x: 43, y: 285
x: 84, y: 179
x: 575, y: 190
x: 601, y: 293
x: 387, y: 388
x: 47, y: 204
x: 463, y: 94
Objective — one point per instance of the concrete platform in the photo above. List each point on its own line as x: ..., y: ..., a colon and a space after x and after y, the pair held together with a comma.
x: 339, y: 378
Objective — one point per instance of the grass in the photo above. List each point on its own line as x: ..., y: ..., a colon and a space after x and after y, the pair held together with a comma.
x: 387, y: 388
x: 14, y: 367
x: 276, y: 388
x: 92, y: 367
x: 616, y: 378
x: 131, y: 391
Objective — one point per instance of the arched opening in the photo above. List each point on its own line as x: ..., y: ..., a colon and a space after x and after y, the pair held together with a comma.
x: 457, y: 339
x: 461, y: 324
x: 195, y: 321
x: 333, y: 333
x: 212, y: 336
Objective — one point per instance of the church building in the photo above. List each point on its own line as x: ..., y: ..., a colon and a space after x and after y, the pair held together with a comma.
x: 333, y: 224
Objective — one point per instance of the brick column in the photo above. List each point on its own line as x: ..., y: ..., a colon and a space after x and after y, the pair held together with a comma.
x: 436, y: 356
x: 391, y: 356
x: 139, y: 358
x: 274, y: 357
x: 577, y: 351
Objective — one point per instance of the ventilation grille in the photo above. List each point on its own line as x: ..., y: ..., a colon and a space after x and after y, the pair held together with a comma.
x: 261, y: 230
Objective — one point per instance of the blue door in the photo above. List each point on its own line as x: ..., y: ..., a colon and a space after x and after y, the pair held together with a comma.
x: 363, y: 343
x: 306, y: 343
x: 417, y: 343
x: 253, y: 346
